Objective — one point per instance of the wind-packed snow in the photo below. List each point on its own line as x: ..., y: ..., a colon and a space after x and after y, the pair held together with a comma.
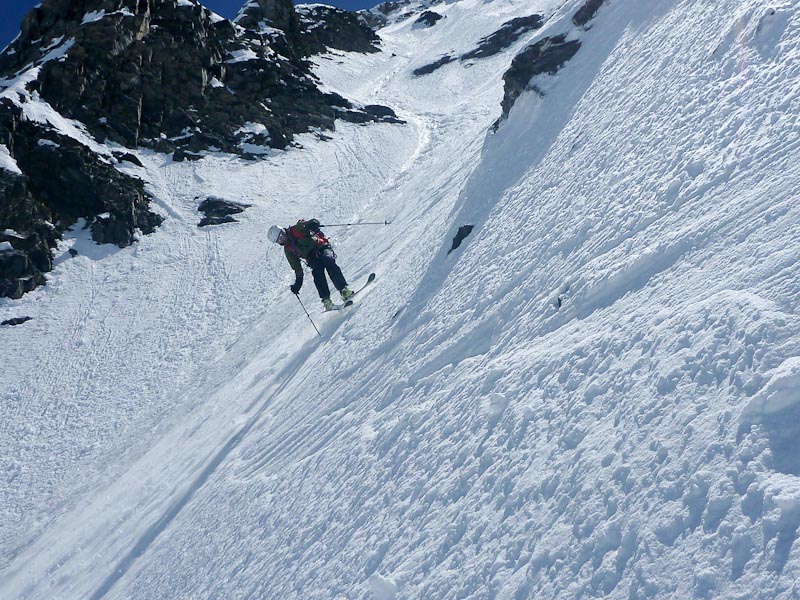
x: 596, y: 394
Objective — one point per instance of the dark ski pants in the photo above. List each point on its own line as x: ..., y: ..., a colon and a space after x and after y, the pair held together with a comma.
x: 325, y: 260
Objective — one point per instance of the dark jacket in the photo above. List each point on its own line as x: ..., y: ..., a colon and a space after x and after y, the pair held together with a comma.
x: 303, y: 240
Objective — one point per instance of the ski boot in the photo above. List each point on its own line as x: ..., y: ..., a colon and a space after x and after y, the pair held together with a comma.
x: 346, y: 293
x: 328, y: 303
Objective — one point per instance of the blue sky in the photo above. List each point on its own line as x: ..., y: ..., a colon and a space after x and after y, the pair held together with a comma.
x: 12, y: 12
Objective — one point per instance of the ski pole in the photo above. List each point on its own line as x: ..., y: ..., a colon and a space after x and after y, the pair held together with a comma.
x: 350, y: 224
x: 308, y: 315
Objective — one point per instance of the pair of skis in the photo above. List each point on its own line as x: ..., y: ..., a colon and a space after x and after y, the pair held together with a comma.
x: 370, y: 279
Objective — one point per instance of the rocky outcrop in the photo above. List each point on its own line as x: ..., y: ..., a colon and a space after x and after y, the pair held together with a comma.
x: 26, y: 235
x: 428, y: 69
x: 260, y: 15
x: 57, y: 181
x: 171, y: 75
x: 380, y: 15
x: 324, y: 28
x: 462, y: 234
x: 372, y: 113
x: 508, y: 34
x: 165, y: 74
x: 16, y: 321
x: 586, y: 12
x: 218, y: 211
x: 428, y: 19
x: 547, y: 55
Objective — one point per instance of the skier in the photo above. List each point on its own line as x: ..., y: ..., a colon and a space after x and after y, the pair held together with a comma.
x: 304, y: 240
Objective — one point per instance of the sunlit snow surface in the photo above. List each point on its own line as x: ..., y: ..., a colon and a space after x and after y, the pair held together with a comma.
x: 597, y: 394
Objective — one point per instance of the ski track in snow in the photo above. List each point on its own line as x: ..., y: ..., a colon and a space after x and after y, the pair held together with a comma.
x: 597, y: 394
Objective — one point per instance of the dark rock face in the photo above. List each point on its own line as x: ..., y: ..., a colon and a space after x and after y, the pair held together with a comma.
x: 278, y: 14
x: 74, y: 182
x: 545, y: 56
x: 460, y: 236
x: 164, y: 74
x: 492, y: 44
x: 18, y: 274
x: 173, y: 76
x: 323, y: 28
x: 428, y: 19
x: 372, y: 113
x: 379, y: 15
x: 24, y: 224
x: 218, y: 210
x: 504, y: 37
x: 60, y: 181
x: 428, y: 69
x: 586, y: 12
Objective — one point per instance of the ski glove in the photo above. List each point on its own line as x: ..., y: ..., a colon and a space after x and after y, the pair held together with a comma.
x: 295, y: 287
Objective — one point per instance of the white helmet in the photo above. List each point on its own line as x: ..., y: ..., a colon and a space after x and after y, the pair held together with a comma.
x: 274, y: 234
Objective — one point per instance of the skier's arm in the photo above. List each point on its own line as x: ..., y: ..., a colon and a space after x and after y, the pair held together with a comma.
x: 297, y: 267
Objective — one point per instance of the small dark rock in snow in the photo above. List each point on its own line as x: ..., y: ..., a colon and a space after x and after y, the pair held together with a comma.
x: 218, y: 210
x: 371, y: 113
x: 429, y: 18
x: 428, y: 69
x: 17, y: 321
x: 128, y: 157
x: 461, y: 235
x: 73, y: 252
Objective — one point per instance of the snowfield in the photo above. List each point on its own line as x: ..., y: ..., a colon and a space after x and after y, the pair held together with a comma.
x: 596, y: 395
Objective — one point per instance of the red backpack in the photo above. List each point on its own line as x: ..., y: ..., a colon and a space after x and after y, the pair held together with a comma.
x: 307, y: 230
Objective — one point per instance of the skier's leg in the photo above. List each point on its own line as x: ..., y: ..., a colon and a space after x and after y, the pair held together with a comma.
x: 335, y: 273
x: 318, y: 272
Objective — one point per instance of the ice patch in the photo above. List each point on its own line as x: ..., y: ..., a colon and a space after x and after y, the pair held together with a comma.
x: 6, y: 246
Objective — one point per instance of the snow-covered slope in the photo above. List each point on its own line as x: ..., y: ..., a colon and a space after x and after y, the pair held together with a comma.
x: 597, y: 393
